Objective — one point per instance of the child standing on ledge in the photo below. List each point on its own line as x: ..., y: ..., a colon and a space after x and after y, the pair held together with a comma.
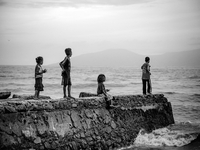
x: 38, y: 76
x: 66, y: 70
x: 146, y: 76
x: 101, y: 91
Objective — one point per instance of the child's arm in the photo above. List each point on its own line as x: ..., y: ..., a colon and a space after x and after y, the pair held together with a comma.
x: 45, y: 70
x: 104, y: 90
x: 107, y: 90
x: 61, y: 66
x: 38, y: 71
x: 142, y: 67
x: 148, y: 69
x: 62, y: 63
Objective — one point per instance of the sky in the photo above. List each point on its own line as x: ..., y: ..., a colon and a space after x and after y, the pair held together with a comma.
x: 31, y: 28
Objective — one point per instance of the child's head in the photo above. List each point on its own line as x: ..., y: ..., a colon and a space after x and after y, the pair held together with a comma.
x: 39, y: 60
x: 101, y: 78
x: 68, y: 52
x: 147, y: 59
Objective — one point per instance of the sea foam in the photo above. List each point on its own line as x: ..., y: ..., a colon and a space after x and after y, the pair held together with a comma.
x: 164, y: 137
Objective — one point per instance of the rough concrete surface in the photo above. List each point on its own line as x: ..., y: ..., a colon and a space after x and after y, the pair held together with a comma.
x: 82, y: 123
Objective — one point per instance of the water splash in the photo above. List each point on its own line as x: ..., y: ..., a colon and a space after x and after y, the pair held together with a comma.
x: 164, y: 137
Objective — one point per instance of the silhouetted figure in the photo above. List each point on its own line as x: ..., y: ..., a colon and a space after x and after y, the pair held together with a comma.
x: 66, y: 71
x: 38, y: 76
x: 146, y: 77
x: 102, y: 91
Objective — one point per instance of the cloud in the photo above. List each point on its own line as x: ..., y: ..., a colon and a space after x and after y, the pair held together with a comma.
x: 68, y: 3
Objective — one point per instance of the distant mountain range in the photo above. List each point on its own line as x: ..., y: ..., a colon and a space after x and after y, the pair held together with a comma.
x: 114, y: 57
x: 122, y: 57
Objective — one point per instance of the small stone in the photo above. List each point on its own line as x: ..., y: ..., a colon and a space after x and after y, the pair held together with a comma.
x: 74, y: 105
x: 10, y: 109
x: 37, y: 140
x: 82, y: 135
x: 89, y: 139
x: 123, y: 108
x: 98, y: 138
x: 88, y: 113
x: 109, y: 142
x: 107, y: 119
x: 108, y: 129
x: 47, y: 145
x: 113, y: 125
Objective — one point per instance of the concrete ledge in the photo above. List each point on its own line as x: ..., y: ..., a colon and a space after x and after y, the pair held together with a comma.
x: 83, y: 123
x: 27, y: 97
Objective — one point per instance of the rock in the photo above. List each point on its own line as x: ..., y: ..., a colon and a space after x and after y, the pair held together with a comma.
x: 84, y: 94
x: 108, y: 129
x: 113, y: 125
x: 47, y: 145
x: 4, y: 95
x: 74, y: 105
x: 37, y: 140
x: 10, y: 109
x: 27, y: 97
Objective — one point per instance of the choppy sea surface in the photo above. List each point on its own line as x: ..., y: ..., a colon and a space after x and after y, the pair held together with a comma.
x: 180, y: 85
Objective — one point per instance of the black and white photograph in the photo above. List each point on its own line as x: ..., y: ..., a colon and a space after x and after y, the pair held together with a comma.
x: 99, y: 74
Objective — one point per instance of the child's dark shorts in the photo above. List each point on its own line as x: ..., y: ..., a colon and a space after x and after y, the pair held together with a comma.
x: 38, y: 84
x: 66, y: 79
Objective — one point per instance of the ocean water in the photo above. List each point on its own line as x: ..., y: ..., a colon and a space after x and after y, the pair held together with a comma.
x: 179, y: 84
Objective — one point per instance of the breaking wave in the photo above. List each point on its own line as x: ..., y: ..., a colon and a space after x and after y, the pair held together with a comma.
x: 164, y: 137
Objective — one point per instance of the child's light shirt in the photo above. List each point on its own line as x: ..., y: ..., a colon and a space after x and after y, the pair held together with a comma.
x: 38, y: 71
x: 146, y: 71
